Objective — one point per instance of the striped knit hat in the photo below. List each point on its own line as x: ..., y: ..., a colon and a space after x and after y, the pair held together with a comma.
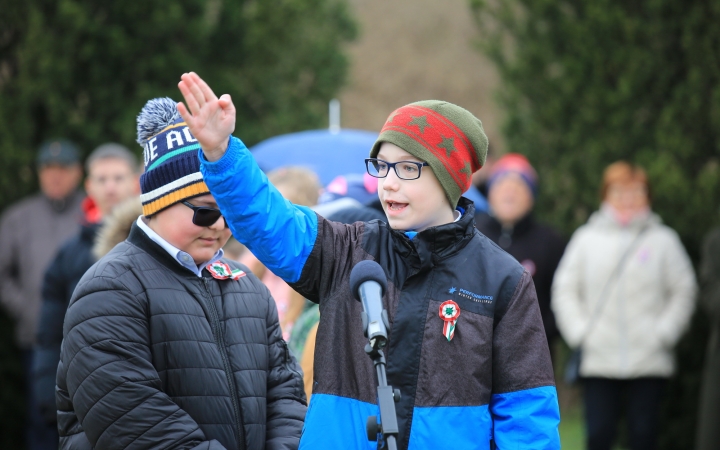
x: 447, y: 137
x: 172, y: 168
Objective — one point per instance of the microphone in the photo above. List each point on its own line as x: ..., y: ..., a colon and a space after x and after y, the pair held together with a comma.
x: 368, y: 284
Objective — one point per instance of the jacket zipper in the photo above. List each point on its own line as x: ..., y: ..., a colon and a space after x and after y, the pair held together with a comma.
x: 220, y: 341
x: 289, y: 365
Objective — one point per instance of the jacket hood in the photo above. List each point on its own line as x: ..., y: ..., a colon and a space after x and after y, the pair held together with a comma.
x: 116, y: 226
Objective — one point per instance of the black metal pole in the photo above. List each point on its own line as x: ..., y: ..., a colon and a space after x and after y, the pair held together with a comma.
x: 387, y: 425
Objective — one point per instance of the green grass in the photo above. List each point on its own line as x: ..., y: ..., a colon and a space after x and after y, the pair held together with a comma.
x: 572, y: 428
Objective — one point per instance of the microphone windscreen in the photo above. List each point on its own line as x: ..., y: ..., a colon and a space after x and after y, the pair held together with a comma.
x: 367, y: 270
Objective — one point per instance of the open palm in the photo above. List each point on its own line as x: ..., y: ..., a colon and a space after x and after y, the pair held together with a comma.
x: 210, y: 119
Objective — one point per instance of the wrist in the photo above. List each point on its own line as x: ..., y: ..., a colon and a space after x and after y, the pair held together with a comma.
x: 216, y: 153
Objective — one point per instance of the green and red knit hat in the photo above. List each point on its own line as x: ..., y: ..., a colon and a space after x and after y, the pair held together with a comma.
x: 447, y: 137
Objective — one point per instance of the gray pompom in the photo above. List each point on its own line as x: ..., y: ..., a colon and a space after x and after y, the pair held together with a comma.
x: 157, y: 114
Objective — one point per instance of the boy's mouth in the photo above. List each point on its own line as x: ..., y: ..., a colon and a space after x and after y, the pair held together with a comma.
x: 395, y: 206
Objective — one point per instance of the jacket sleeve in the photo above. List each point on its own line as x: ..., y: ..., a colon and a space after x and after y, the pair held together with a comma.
x: 710, y: 276
x: 524, y: 403
x: 10, y: 291
x: 571, y: 316
x: 680, y: 287
x: 281, y: 235
x: 115, y: 390
x: 286, y: 402
x: 49, y: 336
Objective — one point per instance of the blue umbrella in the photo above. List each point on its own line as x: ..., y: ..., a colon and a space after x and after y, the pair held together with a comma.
x: 328, y: 154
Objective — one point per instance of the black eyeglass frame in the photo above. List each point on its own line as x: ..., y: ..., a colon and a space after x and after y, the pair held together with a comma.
x: 393, y: 166
x: 204, y: 210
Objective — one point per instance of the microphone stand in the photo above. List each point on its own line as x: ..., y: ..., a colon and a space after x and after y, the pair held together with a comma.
x: 384, y: 428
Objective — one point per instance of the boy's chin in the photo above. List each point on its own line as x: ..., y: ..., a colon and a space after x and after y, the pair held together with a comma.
x: 203, y: 256
x: 400, y: 224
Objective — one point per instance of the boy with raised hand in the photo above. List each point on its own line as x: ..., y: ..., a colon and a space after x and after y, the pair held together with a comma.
x: 167, y: 345
x: 486, y: 381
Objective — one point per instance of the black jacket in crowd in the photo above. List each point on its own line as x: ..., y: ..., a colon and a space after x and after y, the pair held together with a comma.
x: 156, y: 357
x: 538, y: 248
x: 67, y: 267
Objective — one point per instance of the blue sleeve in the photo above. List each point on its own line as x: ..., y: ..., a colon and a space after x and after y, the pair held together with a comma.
x: 281, y: 235
x: 526, y: 419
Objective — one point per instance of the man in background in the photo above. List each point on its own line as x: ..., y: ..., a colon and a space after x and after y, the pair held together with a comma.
x: 30, y: 233
x: 112, y: 177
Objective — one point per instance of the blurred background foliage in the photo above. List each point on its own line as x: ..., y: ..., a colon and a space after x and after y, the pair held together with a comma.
x: 586, y: 83
x: 83, y: 69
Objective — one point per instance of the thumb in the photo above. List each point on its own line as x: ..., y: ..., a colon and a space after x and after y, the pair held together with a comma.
x: 226, y: 102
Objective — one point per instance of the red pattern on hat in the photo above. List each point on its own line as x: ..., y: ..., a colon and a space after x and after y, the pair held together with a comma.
x: 439, y: 136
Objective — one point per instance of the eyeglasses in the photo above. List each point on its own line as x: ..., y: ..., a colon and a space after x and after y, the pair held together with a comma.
x: 405, y: 170
x: 204, y: 216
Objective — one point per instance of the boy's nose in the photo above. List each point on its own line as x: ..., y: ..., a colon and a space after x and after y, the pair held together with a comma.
x: 391, y: 182
x: 219, y: 224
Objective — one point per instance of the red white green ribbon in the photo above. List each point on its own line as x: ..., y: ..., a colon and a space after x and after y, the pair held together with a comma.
x: 222, y: 271
x: 449, y: 312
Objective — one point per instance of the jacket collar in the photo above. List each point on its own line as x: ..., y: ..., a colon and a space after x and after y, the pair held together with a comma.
x: 88, y: 231
x: 138, y: 238
x: 434, y: 244
x: 520, y: 228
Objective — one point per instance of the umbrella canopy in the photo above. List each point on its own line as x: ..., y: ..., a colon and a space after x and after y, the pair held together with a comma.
x: 325, y: 153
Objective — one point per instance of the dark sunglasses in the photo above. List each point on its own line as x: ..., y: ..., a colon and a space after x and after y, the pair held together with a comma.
x: 204, y: 216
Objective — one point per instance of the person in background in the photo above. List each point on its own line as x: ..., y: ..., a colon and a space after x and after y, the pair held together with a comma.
x: 30, y: 233
x: 708, y: 432
x: 624, y: 293
x: 480, y: 178
x: 301, y: 187
x: 510, y: 223
x: 111, y: 178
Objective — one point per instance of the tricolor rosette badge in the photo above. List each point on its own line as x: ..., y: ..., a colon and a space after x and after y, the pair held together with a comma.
x: 222, y: 271
x: 449, y: 312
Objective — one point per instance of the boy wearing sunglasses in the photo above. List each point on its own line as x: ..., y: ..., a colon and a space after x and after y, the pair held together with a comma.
x: 466, y: 349
x: 167, y: 344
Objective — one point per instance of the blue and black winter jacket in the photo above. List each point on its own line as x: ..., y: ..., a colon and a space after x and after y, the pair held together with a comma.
x: 493, y: 382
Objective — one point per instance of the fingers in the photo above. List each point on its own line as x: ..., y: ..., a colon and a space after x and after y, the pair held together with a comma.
x: 189, y: 97
x: 207, y: 93
x: 195, y: 90
x: 187, y: 117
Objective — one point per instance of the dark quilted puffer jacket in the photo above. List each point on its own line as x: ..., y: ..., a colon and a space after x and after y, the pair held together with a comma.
x: 154, y: 356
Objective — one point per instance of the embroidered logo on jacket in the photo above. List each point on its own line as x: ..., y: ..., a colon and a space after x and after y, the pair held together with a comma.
x: 471, y: 295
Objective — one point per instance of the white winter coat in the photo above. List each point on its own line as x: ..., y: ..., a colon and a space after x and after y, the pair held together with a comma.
x: 649, y: 303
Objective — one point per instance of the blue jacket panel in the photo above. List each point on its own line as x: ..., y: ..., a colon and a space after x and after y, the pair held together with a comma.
x: 279, y: 234
x: 526, y: 419
x: 340, y: 427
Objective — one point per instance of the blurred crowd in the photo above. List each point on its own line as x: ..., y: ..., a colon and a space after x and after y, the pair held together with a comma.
x: 620, y: 293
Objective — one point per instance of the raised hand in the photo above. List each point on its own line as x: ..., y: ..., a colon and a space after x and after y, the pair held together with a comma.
x: 210, y: 119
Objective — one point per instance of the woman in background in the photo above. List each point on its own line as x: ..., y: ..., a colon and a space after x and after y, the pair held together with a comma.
x: 623, y: 293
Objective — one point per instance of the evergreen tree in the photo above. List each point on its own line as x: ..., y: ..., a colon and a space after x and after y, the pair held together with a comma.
x: 83, y: 69
x: 586, y: 83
